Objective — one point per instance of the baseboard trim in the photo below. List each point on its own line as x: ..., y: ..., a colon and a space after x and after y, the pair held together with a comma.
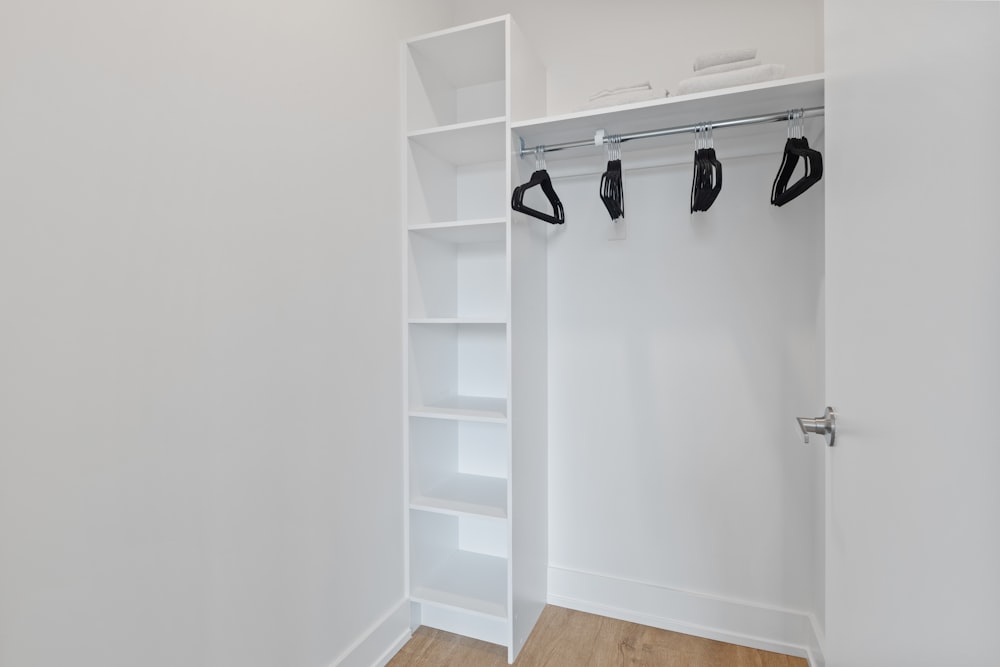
x: 712, y: 617
x: 817, y: 642
x: 381, y: 641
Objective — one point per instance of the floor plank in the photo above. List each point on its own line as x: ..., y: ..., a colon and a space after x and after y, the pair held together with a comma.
x: 566, y: 638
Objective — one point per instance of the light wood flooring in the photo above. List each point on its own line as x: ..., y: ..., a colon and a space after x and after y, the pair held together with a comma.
x: 565, y: 638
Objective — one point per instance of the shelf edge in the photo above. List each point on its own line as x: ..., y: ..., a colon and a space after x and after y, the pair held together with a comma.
x: 665, y: 102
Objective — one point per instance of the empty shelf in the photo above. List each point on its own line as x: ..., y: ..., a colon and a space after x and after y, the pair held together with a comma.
x: 467, y: 408
x: 467, y: 143
x: 465, y: 580
x: 458, y: 320
x: 465, y: 494
x: 468, y: 231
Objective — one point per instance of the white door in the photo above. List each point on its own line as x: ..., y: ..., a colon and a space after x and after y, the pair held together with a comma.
x: 913, y: 333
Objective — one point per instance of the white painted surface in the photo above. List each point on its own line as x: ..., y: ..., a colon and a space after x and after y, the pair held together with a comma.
x: 199, y: 316
x: 678, y: 359
x: 912, y: 356
x: 588, y: 46
x: 529, y: 504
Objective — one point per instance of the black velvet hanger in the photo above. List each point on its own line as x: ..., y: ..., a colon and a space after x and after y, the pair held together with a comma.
x: 796, y: 147
x: 612, y: 190
x: 539, y: 178
x: 707, y: 181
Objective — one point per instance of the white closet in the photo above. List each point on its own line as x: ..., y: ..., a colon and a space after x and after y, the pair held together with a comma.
x: 477, y: 318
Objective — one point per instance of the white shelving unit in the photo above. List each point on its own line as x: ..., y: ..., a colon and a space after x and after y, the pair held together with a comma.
x: 475, y: 340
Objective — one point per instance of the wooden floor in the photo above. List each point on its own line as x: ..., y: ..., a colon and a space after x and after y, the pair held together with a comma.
x: 565, y: 638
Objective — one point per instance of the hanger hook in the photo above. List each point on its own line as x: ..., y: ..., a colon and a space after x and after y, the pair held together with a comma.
x: 539, y: 158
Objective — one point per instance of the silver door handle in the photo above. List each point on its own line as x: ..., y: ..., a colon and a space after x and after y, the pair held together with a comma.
x: 825, y: 426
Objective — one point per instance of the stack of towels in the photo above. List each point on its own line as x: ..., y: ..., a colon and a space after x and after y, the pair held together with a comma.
x: 636, y: 92
x: 736, y: 67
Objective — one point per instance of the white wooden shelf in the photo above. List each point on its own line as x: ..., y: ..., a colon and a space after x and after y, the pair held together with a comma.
x: 716, y: 105
x: 465, y: 494
x: 468, y: 581
x: 465, y: 408
x: 463, y: 231
x: 458, y: 320
x: 466, y: 143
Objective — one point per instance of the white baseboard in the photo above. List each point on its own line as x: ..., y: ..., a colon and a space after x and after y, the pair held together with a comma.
x: 381, y: 641
x: 723, y: 619
x: 817, y: 643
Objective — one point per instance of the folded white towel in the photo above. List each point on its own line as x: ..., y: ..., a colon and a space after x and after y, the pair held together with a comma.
x: 624, y: 98
x: 728, y: 67
x: 635, y: 87
x: 723, y: 57
x: 740, y: 77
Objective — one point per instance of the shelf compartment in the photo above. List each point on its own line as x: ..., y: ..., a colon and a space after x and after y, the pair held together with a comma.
x: 458, y: 467
x: 455, y: 76
x: 457, y: 174
x: 465, y: 494
x: 459, y: 370
x: 468, y: 581
x: 445, y: 572
x: 451, y: 279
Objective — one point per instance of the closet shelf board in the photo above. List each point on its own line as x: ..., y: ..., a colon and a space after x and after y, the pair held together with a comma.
x: 716, y: 105
x: 481, y: 44
x: 458, y: 320
x: 465, y: 494
x: 466, y: 143
x: 465, y: 408
x: 464, y: 231
x: 467, y: 581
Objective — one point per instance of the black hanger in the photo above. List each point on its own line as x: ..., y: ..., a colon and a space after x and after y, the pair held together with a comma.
x: 540, y: 178
x: 707, y: 181
x: 796, y: 147
x: 612, y: 191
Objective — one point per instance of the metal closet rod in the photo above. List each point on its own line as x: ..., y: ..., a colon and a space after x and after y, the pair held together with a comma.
x: 649, y: 134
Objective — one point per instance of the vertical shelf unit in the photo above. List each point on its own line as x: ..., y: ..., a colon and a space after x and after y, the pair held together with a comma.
x: 475, y: 435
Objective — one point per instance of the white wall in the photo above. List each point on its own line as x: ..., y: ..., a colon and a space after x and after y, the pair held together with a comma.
x: 200, y: 454
x: 678, y: 361
x: 914, y: 363
x: 680, y: 357
x: 589, y: 45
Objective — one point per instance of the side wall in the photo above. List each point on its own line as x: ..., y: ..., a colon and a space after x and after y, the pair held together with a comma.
x: 200, y: 458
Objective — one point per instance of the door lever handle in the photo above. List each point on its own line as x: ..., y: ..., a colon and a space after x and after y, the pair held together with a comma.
x: 825, y: 426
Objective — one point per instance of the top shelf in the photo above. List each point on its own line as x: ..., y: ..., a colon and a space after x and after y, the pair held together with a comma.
x: 464, y: 56
x: 716, y: 105
x: 457, y: 76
